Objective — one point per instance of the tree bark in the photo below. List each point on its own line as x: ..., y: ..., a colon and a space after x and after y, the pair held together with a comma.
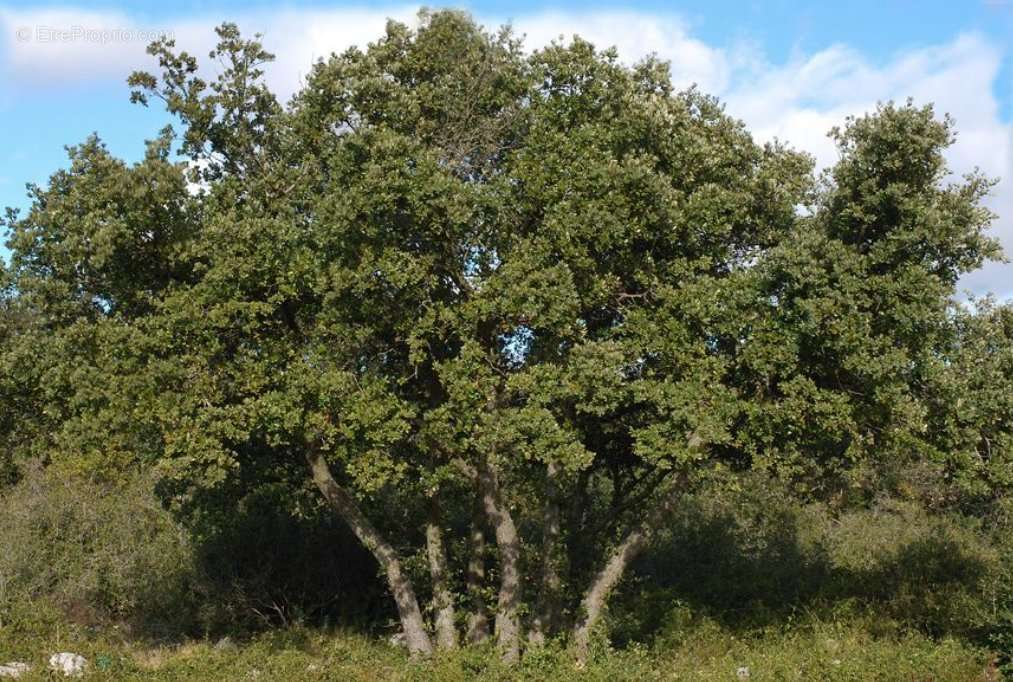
x: 443, y: 599
x: 345, y: 506
x: 478, y: 619
x: 508, y: 631
x: 547, y: 617
x: 608, y: 577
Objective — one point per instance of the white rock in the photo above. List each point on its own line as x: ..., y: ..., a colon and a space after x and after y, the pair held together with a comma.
x: 225, y: 644
x: 14, y: 669
x: 742, y: 673
x: 71, y: 665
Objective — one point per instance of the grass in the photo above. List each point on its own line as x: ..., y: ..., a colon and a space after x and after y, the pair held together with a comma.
x: 810, y: 650
x: 791, y: 592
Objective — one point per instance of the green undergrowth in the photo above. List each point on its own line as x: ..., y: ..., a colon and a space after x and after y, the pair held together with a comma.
x: 738, y: 579
x: 812, y: 649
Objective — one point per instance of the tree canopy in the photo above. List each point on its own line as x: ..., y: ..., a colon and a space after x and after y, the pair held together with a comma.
x: 453, y: 285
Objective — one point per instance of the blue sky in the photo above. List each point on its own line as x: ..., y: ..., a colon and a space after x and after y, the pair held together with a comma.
x: 791, y: 70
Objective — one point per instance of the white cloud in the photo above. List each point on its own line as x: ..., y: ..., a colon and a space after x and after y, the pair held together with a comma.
x: 300, y: 38
x: 635, y: 35
x: 56, y: 47
x: 798, y: 101
x: 46, y: 48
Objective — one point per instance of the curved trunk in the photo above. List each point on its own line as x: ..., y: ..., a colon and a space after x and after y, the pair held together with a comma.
x: 508, y: 630
x: 608, y: 577
x: 345, y: 506
x: 443, y: 600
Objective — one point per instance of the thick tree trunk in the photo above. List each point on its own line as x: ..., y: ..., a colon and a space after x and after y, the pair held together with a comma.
x: 547, y: 616
x: 443, y: 600
x: 508, y: 630
x: 400, y: 586
x: 478, y: 619
x: 608, y: 577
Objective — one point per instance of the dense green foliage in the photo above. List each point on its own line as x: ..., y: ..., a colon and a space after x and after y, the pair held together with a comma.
x: 454, y: 292
x: 741, y: 578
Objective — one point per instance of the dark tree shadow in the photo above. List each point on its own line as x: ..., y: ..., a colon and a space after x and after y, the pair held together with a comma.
x: 265, y: 567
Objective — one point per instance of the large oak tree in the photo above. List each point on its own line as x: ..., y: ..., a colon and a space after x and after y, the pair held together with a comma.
x: 452, y: 280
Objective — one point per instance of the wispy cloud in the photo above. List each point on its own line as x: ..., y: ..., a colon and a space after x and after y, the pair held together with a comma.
x: 799, y: 102
x: 43, y: 48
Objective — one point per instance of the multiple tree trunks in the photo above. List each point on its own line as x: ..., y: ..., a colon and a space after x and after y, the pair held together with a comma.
x: 507, y: 620
x: 547, y: 617
x: 425, y: 203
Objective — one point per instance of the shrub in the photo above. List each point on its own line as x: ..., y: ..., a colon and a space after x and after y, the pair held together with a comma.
x: 106, y: 553
x: 997, y: 621
x: 752, y: 558
x: 926, y: 571
x: 99, y: 552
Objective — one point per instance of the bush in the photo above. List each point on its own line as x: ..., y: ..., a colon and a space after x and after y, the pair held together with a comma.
x: 100, y: 553
x: 926, y: 571
x: 997, y: 624
x: 107, y: 554
x: 751, y: 559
